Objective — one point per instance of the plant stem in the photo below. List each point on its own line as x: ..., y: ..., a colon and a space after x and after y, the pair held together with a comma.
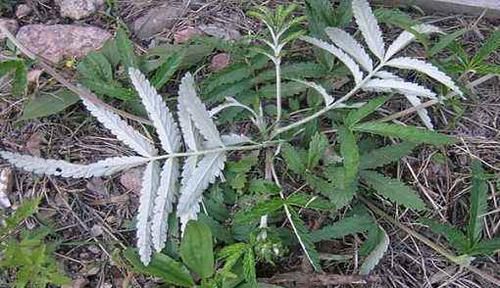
x: 278, y: 89
x: 216, y: 150
x: 331, y: 106
x: 444, y: 252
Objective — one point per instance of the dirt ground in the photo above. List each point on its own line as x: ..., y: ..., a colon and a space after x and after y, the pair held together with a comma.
x: 94, y: 217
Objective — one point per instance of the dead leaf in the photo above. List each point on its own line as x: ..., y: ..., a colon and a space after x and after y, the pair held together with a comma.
x: 132, y: 179
x: 33, y: 144
x: 186, y: 34
x: 220, y: 61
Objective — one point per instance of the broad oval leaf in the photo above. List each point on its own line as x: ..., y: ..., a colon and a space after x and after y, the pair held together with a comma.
x: 197, y: 249
x: 161, y: 266
x: 46, y: 104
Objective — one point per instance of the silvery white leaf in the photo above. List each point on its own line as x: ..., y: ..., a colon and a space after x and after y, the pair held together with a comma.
x: 165, y: 197
x: 422, y: 112
x: 387, y: 75
x: 110, y: 166
x: 150, y: 182
x: 426, y: 68
x: 352, y: 47
x: 209, y: 167
x: 158, y: 112
x: 376, y: 254
x: 412, y: 98
x: 346, y: 59
x: 5, y: 184
x: 234, y: 139
x: 121, y: 130
x: 368, y: 26
x: 406, y: 38
x: 197, y: 111
x: 320, y: 89
x: 66, y: 169
x: 387, y: 85
x: 190, y: 134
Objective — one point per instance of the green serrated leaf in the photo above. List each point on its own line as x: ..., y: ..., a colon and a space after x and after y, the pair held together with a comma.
x: 231, y: 74
x: 488, y: 69
x: 197, y: 249
x: 478, y: 203
x: 485, y: 247
x: 293, y: 159
x: 125, y: 48
x: 306, y: 201
x: 263, y: 187
x: 260, y: 209
x: 393, y: 189
x: 114, y: 90
x: 161, y: 266
x: 165, y: 72
x: 445, y: 41
x: 492, y: 44
x: 359, y: 114
x: 19, y: 77
x: 304, y: 238
x: 26, y: 209
x: 350, y: 154
x: 343, y: 189
x: 408, y: 133
x: 317, y: 148
x: 455, y: 237
x: 374, y: 257
x: 220, y: 233
x: 249, y: 271
x: 394, y: 17
x: 193, y: 54
x: 289, y: 89
x: 95, y: 65
x: 47, y: 104
x: 346, y: 226
x: 385, y: 155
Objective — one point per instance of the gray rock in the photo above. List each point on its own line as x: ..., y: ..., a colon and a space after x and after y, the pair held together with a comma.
x: 78, y: 9
x: 55, y: 42
x: 157, y: 20
x: 219, y: 31
x: 10, y: 24
x: 23, y: 10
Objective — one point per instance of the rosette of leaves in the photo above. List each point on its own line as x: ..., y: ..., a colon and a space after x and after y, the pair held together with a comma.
x: 205, y: 158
